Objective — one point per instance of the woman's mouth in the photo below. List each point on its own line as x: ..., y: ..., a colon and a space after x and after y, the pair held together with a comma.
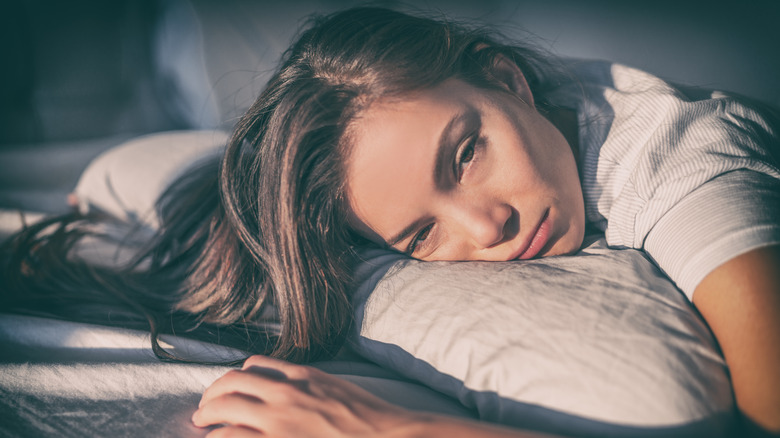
x: 540, y: 237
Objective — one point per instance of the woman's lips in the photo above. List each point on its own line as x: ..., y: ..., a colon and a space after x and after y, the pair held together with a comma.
x: 540, y: 237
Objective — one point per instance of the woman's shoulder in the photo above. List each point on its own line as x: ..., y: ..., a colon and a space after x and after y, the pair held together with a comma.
x: 621, y: 107
x: 647, y: 144
x: 609, y: 74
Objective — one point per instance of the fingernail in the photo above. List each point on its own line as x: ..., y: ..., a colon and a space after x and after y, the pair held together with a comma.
x: 195, y: 418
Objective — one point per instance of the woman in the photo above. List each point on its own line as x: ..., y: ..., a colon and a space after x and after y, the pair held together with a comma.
x: 442, y: 143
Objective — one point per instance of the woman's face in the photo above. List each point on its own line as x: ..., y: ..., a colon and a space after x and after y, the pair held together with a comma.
x: 461, y: 173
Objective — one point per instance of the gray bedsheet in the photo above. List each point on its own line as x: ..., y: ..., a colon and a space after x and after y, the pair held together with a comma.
x: 65, y: 379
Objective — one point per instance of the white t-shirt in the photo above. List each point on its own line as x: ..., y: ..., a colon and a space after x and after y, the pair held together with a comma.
x: 693, y: 183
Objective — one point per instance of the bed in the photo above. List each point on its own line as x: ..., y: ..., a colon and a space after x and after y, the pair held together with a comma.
x: 596, y: 345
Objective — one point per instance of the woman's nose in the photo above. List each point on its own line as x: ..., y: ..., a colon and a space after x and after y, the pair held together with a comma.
x: 485, y: 224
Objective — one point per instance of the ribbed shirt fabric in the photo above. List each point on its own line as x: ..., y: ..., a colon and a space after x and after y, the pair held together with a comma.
x: 694, y: 183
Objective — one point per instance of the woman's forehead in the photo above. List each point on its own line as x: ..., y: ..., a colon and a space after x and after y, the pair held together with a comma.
x: 394, y: 144
x: 389, y: 164
x: 390, y: 118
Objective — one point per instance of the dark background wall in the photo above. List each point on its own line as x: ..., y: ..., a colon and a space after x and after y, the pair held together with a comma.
x: 86, y: 68
x: 718, y: 44
x: 77, y: 69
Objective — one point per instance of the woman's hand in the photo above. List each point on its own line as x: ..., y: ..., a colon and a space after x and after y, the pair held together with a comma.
x: 270, y: 397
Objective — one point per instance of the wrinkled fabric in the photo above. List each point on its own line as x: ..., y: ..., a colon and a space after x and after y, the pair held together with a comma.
x: 692, y: 179
x: 65, y: 379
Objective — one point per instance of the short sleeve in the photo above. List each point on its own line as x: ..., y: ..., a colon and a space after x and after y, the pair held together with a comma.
x: 692, y: 182
x: 729, y: 215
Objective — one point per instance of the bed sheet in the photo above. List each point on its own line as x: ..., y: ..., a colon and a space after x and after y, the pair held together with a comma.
x: 66, y: 379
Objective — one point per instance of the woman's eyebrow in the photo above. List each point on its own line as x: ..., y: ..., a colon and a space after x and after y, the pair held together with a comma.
x: 464, y: 121
x: 406, y: 232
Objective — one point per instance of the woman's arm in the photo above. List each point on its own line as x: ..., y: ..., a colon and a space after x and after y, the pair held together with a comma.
x: 741, y: 302
x: 273, y: 398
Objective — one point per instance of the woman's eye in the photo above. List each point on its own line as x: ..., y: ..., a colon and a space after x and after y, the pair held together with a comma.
x: 419, y: 238
x: 466, y: 156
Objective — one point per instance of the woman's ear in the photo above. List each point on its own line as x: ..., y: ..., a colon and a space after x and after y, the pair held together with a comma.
x: 509, y: 74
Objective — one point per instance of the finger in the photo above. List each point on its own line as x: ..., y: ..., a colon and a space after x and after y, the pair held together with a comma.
x: 232, y: 409
x: 292, y: 371
x: 307, y: 380
x: 254, y: 382
x: 232, y: 381
x: 234, y: 432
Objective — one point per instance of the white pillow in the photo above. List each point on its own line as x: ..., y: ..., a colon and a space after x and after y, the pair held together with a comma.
x: 127, y: 180
x: 601, y: 342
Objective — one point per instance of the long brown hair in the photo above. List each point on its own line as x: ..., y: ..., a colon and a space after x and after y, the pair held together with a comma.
x: 265, y: 231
